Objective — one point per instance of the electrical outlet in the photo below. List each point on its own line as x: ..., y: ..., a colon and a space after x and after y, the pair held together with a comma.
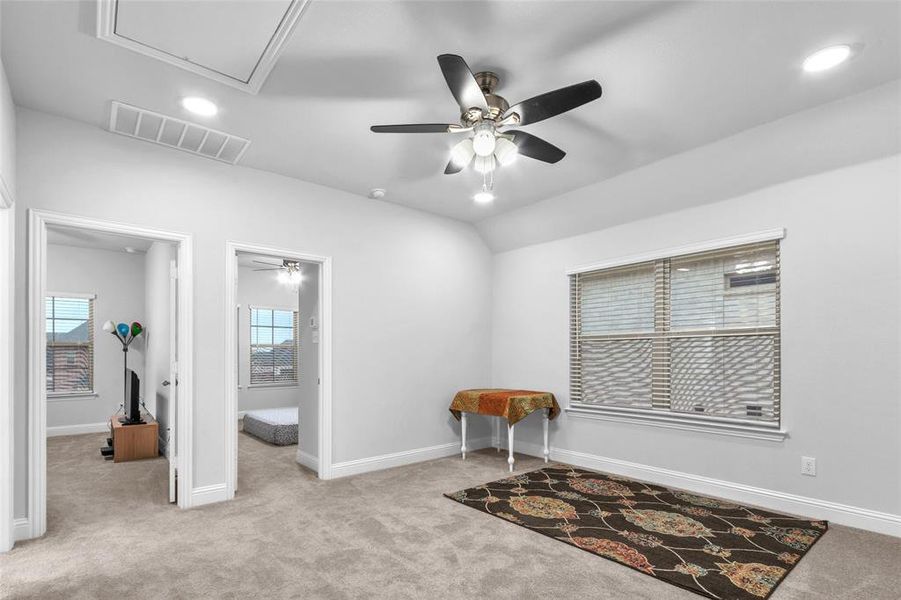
x: 808, y: 466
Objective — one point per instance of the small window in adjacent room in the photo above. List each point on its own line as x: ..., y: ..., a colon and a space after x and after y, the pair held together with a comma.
x: 70, y: 345
x: 273, y: 346
x: 692, y: 337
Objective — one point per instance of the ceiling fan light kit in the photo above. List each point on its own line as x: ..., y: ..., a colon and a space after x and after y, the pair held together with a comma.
x: 484, y: 113
x: 288, y: 272
x: 462, y: 153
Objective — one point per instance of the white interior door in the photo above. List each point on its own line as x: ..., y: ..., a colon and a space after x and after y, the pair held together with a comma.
x: 172, y: 405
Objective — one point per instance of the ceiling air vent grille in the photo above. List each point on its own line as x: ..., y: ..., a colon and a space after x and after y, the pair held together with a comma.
x: 174, y: 133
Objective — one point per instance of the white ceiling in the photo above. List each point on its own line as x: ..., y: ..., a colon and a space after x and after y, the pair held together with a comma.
x: 675, y: 75
x: 83, y: 238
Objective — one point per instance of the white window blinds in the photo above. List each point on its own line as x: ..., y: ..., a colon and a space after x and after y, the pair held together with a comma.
x: 273, y: 346
x: 694, y: 335
x: 70, y: 344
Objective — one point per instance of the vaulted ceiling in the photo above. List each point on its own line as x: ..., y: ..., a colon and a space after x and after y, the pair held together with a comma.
x: 676, y: 76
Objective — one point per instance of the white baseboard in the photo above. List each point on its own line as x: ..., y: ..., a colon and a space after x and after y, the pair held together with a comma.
x: 308, y: 460
x: 78, y: 429
x: 208, y: 494
x: 21, y: 529
x: 842, y: 514
x: 407, y: 457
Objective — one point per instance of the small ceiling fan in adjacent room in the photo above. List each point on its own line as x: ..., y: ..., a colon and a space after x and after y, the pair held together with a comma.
x: 289, y: 271
x: 487, y: 116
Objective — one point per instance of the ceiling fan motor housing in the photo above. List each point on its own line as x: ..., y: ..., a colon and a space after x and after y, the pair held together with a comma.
x: 497, y: 105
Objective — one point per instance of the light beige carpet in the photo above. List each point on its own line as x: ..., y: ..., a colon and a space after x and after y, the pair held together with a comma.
x: 389, y: 534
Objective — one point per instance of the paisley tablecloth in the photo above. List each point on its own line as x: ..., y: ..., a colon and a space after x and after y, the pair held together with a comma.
x: 510, y: 404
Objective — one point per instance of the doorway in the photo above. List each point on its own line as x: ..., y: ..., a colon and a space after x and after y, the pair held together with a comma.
x: 278, y: 357
x: 108, y: 318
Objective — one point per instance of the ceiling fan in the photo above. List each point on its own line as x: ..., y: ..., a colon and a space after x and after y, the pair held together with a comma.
x: 486, y: 114
x: 289, y: 271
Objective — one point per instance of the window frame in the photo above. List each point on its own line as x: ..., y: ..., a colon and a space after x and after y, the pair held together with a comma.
x: 250, y: 345
x: 73, y: 394
x: 663, y: 417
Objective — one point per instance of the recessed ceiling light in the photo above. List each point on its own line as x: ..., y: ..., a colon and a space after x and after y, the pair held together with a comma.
x: 130, y: 249
x: 825, y: 59
x: 483, y: 197
x: 199, y: 106
x: 377, y: 193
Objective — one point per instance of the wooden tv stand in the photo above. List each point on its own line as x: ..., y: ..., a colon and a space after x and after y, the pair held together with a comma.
x: 134, y: 442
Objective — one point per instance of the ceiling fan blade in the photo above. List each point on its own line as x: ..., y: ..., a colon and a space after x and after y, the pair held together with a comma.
x: 268, y: 264
x: 461, y: 83
x: 554, y: 103
x: 453, y: 167
x: 273, y: 269
x: 415, y: 128
x: 535, y: 147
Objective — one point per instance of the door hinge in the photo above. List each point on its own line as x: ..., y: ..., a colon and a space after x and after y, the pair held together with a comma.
x: 173, y: 271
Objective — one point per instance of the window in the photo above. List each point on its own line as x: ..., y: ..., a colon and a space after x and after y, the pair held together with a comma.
x: 273, y: 346
x: 70, y: 344
x: 694, y: 336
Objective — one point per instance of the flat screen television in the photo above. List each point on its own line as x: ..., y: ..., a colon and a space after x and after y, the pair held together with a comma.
x: 132, y: 399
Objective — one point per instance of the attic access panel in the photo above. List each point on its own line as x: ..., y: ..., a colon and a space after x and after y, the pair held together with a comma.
x: 235, y: 43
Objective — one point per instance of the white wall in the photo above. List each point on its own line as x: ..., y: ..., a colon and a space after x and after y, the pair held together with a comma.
x: 848, y: 131
x: 261, y: 289
x: 156, y: 336
x: 7, y: 275
x: 117, y: 279
x: 7, y: 139
x: 308, y: 426
x: 411, y: 291
x: 840, y: 344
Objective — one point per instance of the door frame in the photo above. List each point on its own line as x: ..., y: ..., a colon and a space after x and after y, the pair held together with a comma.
x: 232, y: 249
x: 38, y: 221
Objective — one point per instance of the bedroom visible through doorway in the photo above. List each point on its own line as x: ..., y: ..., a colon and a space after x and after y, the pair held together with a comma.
x: 109, y: 322
x: 277, y: 326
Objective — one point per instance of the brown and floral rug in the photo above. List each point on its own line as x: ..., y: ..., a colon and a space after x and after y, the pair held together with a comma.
x: 715, y: 548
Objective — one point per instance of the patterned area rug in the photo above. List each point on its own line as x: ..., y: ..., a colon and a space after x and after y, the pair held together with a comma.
x: 715, y: 548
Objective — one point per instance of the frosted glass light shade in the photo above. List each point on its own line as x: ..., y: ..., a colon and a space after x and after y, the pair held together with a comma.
x: 483, y: 140
x: 485, y: 164
x: 292, y: 278
x: 462, y: 153
x: 505, y: 152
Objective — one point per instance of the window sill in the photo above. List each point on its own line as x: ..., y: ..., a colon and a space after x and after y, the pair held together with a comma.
x: 676, y: 422
x: 256, y: 386
x: 61, y: 396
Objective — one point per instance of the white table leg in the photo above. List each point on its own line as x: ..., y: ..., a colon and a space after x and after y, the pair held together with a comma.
x: 463, y: 431
x: 510, y: 446
x: 497, y: 431
x: 547, y: 450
